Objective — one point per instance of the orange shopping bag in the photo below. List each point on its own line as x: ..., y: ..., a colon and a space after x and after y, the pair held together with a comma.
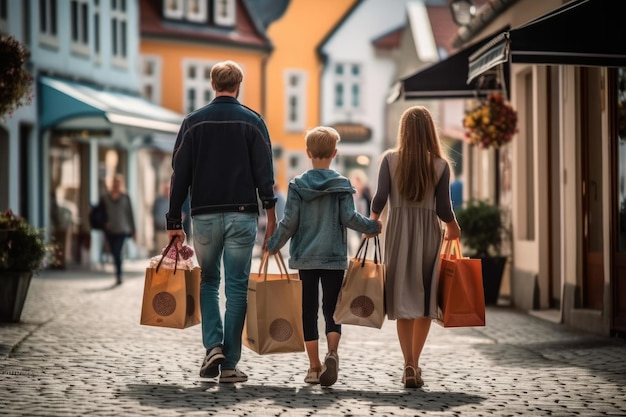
x: 460, y: 294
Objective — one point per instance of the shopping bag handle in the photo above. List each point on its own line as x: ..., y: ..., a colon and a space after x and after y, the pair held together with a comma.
x: 282, y: 268
x: 377, y: 254
x: 166, y: 251
x: 450, y: 246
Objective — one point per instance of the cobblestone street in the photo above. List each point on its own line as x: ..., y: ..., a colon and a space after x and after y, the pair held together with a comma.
x: 80, y: 351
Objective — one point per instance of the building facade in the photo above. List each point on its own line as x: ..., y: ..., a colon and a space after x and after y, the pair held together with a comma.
x: 86, y: 122
x: 566, y: 164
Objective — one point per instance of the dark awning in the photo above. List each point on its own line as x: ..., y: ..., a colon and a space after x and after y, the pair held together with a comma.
x: 448, y: 78
x: 582, y: 32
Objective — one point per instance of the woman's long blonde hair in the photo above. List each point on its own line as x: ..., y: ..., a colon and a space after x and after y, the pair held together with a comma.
x: 418, y: 147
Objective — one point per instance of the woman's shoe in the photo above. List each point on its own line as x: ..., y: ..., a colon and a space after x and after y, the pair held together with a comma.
x: 313, y: 375
x: 412, y: 377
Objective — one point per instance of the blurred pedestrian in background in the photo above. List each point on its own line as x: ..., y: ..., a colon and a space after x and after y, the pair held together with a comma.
x: 120, y: 221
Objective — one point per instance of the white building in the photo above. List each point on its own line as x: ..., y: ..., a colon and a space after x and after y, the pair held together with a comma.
x: 86, y: 121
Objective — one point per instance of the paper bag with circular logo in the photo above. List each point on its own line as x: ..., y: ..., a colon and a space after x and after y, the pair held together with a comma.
x: 171, y: 297
x: 274, y: 315
x: 361, y: 300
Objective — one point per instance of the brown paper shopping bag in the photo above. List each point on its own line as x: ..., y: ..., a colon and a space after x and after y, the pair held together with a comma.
x: 274, y: 316
x: 171, y: 297
x: 460, y: 293
x: 361, y: 300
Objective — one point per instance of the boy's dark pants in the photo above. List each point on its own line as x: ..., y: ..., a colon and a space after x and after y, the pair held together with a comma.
x: 331, y: 285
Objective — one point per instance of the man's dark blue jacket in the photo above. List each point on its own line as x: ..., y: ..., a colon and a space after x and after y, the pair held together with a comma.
x: 222, y: 155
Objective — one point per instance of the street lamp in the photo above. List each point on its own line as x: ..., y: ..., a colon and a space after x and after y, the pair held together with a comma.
x: 462, y: 11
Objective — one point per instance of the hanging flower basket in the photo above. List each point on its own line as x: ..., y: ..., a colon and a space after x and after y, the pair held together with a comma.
x: 15, y: 81
x: 491, y: 124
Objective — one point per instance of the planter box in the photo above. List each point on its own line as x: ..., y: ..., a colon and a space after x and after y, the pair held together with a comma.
x: 493, y: 268
x: 13, y: 290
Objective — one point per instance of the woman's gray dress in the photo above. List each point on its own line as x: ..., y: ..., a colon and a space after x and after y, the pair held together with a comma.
x: 413, y: 238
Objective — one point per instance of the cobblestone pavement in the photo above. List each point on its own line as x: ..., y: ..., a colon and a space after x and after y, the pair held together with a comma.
x: 80, y: 351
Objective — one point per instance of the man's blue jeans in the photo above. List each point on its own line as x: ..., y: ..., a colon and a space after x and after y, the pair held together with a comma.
x: 227, y: 236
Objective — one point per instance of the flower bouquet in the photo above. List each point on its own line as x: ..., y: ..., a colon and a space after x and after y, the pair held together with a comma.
x: 173, y: 259
x: 15, y: 81
x: 491, y: 124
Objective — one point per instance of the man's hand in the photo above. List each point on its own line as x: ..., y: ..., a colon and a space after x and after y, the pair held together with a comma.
x: 180, y: 235
x: 270, y: 228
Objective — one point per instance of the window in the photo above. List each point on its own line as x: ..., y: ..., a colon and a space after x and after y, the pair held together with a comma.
x: 119, y: 24
x: 96, y: 28
x: 189, y: 10
x: 197, y: 85
x: 173, y: 9
x: 348, y: 92
x: 151, y: 79
x: 197, y: 10
x: 224, y: 12
x: 4, y: 15
x: 48, y: 31
x: 79, y: 20
x: 295, y: 100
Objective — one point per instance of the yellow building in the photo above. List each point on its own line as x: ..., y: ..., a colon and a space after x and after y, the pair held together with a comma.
x: 180, y: 42
x: 293, y: 79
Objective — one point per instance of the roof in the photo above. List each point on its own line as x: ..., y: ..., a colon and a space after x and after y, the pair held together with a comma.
x: 341, y: 21
x: 443, y: 26
x: 389, y: 40
x: 248, y: 32
x: 488, y: 10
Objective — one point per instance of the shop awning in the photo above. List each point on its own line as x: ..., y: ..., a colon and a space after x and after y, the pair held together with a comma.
x: 448, y: 78
x: 71, y: 105
x: 581, y: 32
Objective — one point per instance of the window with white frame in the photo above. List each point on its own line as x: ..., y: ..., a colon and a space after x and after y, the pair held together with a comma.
x: 348, y: 82
x: 295, y: 100
x: 96, y: 29
x: 151, y: 78
x: 197, y: 84
x: 119, y: 32
x: 196, y: 11
x: 79, y: 26
x: 48, y: 21
x: 4, y: 15
x: 173, y: 9
x: 224, y: 12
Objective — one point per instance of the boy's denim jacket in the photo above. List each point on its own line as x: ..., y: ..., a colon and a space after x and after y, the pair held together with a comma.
x: 318, y: 210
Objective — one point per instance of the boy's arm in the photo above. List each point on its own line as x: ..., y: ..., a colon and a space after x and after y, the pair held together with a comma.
x: 352, y: 219
x: 288, y: 225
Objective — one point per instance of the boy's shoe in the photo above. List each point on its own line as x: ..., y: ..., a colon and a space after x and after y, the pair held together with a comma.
x: 331, y: 367
x: 211, y: 366
x: 232, y: 375
x: 313, y: 376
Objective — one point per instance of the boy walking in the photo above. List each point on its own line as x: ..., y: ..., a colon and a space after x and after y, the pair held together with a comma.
x: 319, y: 209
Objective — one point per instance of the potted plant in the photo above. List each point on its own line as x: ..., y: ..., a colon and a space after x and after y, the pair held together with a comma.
x: 23, y: 251
x: 15, y: 80
x: 482, y: 231
x: 490, y: 124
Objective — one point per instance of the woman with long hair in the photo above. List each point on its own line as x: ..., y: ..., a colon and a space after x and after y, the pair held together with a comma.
x: 414, y: 179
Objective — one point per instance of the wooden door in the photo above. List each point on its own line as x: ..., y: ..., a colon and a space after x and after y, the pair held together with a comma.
x: 591, y: 187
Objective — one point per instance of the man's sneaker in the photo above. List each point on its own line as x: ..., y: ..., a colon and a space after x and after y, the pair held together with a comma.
x: 232, y: 375
x: 331, y: 367
x: 211, y: 366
